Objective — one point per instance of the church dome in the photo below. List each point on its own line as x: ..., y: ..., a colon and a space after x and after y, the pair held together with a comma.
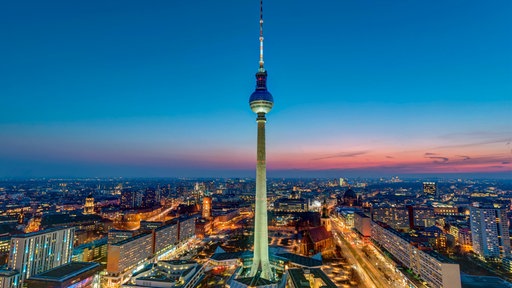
x: 350, y: 194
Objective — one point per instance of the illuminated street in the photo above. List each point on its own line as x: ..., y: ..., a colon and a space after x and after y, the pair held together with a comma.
x: 373, y: 274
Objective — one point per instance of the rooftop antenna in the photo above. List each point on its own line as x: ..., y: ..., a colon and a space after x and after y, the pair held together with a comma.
x: 261, y: 36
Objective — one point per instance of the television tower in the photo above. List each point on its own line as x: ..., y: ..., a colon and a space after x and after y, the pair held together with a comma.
x: 261, y: 103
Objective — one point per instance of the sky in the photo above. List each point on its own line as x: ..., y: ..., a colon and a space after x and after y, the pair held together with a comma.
x: 161, y: 88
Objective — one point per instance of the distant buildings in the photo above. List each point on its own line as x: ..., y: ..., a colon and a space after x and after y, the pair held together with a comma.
x: 405, y: 217
x: 395, y: 216
x: 421, y: 217
x: 207, y: 207
x: 489, y: 230
x: 89, y: 205
x: 291, y: 205
x: 350, y: 199
x: 430, y: 189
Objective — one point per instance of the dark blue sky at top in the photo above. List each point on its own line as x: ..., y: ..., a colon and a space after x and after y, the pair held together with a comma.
x: 178, y: 73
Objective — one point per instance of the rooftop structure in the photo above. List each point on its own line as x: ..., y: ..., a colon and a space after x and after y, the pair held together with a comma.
x: 305, y: 278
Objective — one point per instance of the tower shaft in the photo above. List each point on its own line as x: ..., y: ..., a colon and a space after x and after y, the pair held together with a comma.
x: 261, y: 258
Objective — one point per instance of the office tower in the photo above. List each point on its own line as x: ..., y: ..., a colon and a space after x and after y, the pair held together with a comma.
x: 37, y: 252
x: 430, y: 189
x: 261, y: 103
x: 89, y: 205
x: 489, y: 231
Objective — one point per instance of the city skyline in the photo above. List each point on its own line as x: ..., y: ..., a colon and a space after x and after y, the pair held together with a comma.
x: 102, y: 89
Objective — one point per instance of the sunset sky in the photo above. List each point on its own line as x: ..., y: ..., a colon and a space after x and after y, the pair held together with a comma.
x: 161, y: 88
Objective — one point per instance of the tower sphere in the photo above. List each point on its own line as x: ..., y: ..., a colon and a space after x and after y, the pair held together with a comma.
x: 261, y: 100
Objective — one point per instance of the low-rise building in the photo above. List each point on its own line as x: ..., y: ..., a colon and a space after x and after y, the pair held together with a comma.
x: 171, y: 274
x: 92, y: 251
x: 73, y: 274
x: 9, y: 278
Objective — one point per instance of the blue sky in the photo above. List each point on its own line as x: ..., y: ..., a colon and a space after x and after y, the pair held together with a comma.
x: 160, y: 88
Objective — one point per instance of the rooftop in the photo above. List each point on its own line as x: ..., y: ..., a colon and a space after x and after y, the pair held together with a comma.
x: 318, y: 234
x: 32, y: 234
x: 67, y: 271
x: 301, y: 260
x: 131, y: 239
x: 299, y: 280
x: 7, y: 273
x: 227, y: 256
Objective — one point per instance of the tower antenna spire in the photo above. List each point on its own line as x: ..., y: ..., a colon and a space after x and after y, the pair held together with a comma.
x: 261, y: 36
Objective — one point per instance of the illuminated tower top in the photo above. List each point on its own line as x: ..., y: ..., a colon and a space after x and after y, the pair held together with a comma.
x: 261, y: 100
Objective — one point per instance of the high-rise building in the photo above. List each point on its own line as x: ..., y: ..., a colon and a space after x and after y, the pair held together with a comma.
x: 261, y: 102
x: 430, y: 189
x: 37, y: 252
x: 166, y: 236
x: 187, y: 228
x: 89, y: 205
x: 489, y: 231
x: 126, y: 256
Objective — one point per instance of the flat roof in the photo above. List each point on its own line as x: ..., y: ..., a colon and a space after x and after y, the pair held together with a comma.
x: 254, y: 281
x: 66, y: 271
x: 8, y: 273
x: 32, y: 234
x: 179, y: 262
x: 470, y: 281
x: 226, y: 256
x: 301, y: 260
x: 131, y: 239
x: 299, y: 280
